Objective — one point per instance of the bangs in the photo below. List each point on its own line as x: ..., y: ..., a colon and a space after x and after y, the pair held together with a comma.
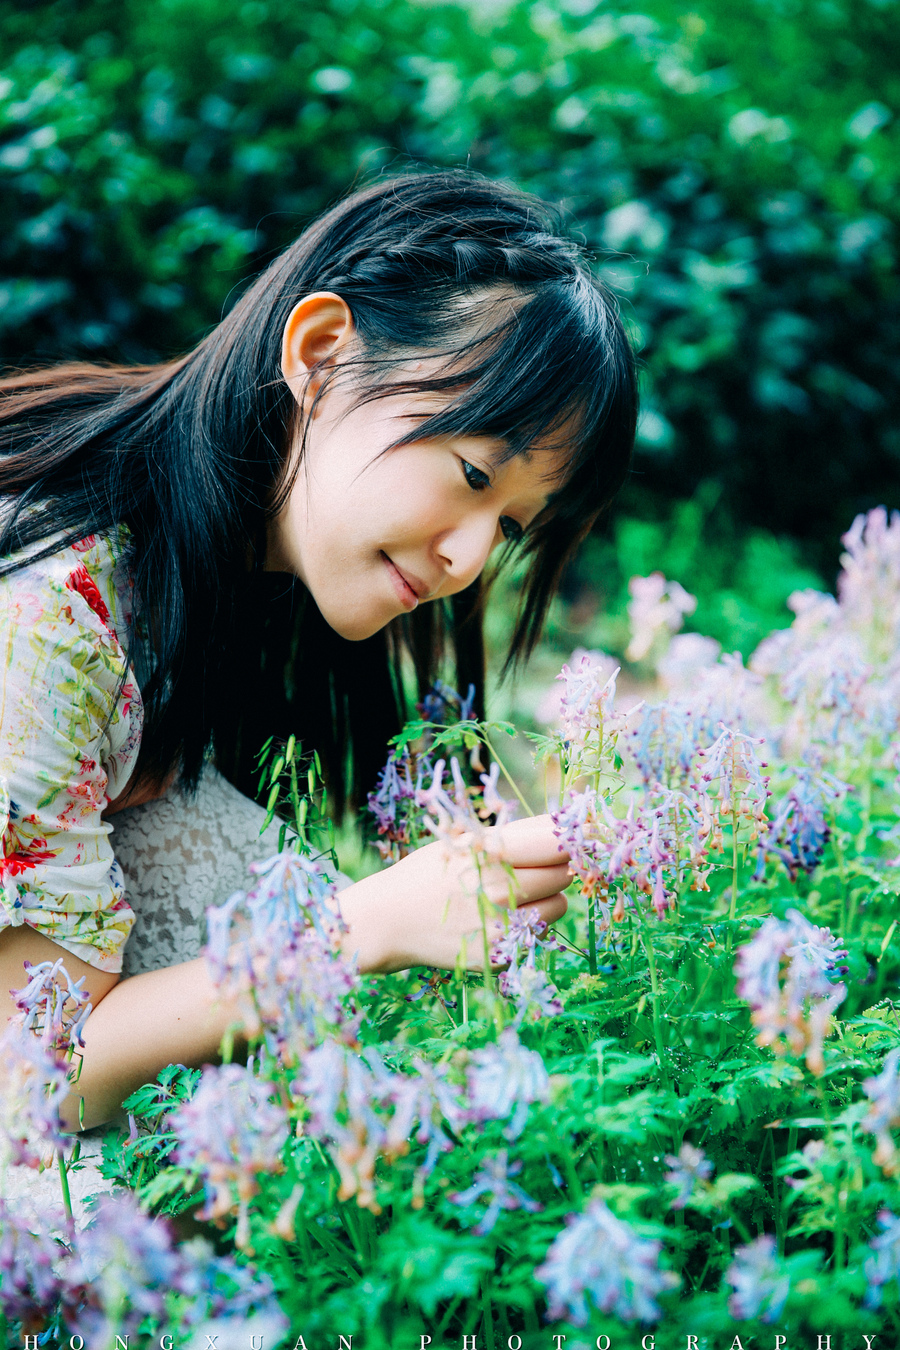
x: 556, y: 376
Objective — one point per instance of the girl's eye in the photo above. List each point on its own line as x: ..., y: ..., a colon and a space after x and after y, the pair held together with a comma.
x: 512, y: 530
x: 476, y: 479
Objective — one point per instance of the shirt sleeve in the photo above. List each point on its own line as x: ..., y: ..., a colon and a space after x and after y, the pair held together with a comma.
x: 69, y: 717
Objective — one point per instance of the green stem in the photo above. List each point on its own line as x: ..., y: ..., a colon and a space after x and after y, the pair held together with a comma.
x: 654, y: 996
x: 732, y: 908
x: 776, y: 1197
x: 64, y: 1185
x: 592, y: 938
x: 487, y: 1316
x: 508, y: 776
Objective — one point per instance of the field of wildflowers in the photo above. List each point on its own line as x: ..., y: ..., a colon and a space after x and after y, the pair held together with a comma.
x: 672, y: 1114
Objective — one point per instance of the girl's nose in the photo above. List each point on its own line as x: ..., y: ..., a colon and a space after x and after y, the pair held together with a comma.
x: 465, y: 548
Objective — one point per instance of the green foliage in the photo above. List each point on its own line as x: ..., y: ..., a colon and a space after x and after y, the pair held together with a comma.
x: 734, y: 166
x: 652, y: 1051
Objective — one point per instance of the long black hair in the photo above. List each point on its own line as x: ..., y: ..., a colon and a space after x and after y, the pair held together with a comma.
x: 191, y: 455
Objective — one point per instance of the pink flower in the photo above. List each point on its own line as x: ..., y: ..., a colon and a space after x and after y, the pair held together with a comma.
x: 657, y: 607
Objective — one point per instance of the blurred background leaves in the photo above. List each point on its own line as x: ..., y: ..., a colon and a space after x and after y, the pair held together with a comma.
x: 732, y: 163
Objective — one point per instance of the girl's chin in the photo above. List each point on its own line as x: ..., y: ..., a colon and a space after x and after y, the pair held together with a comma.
x: 354, y: 627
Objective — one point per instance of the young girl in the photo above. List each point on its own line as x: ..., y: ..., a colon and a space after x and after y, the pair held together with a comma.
x: 244, y: 542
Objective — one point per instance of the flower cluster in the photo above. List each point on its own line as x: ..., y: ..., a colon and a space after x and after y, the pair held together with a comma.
x: 443, y: 705
x: 493, y: 1181
x: 277, y: 953
x: 837, y: 668
x: 365, y: 1111
x: 530, y: 989
x: 44, y: 1004
x: 657, y: 608
x: 690, y: 1167
x: 123, y: 1268
x: 731, y: 768
x: 229, y: 1132
x: 36, y: 1048
x: 34, y: 1085
x: 883, y: 1093
x: 503, y: 1080
x: 644, y: 848
x: 787, y: 975
x: 396, y: 802
x: 460, y: 816
x: 799, y: 832
x: 760, y: 1285
x: 599, y: 1260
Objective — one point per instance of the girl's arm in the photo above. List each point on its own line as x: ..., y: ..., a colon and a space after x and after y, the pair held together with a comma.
x: 421, y: 911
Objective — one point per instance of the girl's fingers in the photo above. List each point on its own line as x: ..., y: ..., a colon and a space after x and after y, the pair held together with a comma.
x: 530, y: 843
x: 531, y: 883
x: 551, y: 908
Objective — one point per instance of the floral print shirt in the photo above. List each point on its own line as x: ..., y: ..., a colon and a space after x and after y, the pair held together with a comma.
x: 70, y: 730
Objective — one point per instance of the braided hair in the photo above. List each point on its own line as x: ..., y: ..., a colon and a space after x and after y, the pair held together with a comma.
x: 192, y: 455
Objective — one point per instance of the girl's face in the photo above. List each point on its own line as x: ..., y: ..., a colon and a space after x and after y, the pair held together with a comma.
x: 373, y: 535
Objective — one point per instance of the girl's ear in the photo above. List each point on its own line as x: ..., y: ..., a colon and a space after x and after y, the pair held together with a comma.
x: 318, y: 327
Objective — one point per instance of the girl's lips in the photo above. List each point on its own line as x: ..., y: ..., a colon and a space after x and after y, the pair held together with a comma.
x: 405, y: 593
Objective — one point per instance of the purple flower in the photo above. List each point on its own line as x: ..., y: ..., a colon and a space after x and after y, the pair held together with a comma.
x: 639, y: 848
x: 342, y: 1092
x: 452, y: 813
x: 432, y: 1101
x: 884, y: 1265
x: 34, y: 1085
x: 730, y: 764
x: 657, y: 607
x: 365, y: 1111
x: 295, y: 892
x: 395, y: 803
x: 216, y: 1287
x: 761, y: 1285
x: 799, y: 833
x: 786, y: 974
x: 884, y: 1111
x: 229, y: 1132
x: 523, y: 939
x: 494, y: 1182
x: 45, y: 1006
x: 443, y: 705
x: 589, y: 724
x: 869, y: 584
x: 599, y: 1260
x: 276, y: 952
x: 503, y: 1080
x: 123, y: 1267
x: 29, y: 1284
x: 533, y: 993
x: 664, y: 743
x: 689, y: 1167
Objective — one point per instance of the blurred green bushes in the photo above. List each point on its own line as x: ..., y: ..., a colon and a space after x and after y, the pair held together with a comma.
x: 734, y: 165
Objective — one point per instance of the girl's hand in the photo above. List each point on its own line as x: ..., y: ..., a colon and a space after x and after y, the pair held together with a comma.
x: 424, y: 910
